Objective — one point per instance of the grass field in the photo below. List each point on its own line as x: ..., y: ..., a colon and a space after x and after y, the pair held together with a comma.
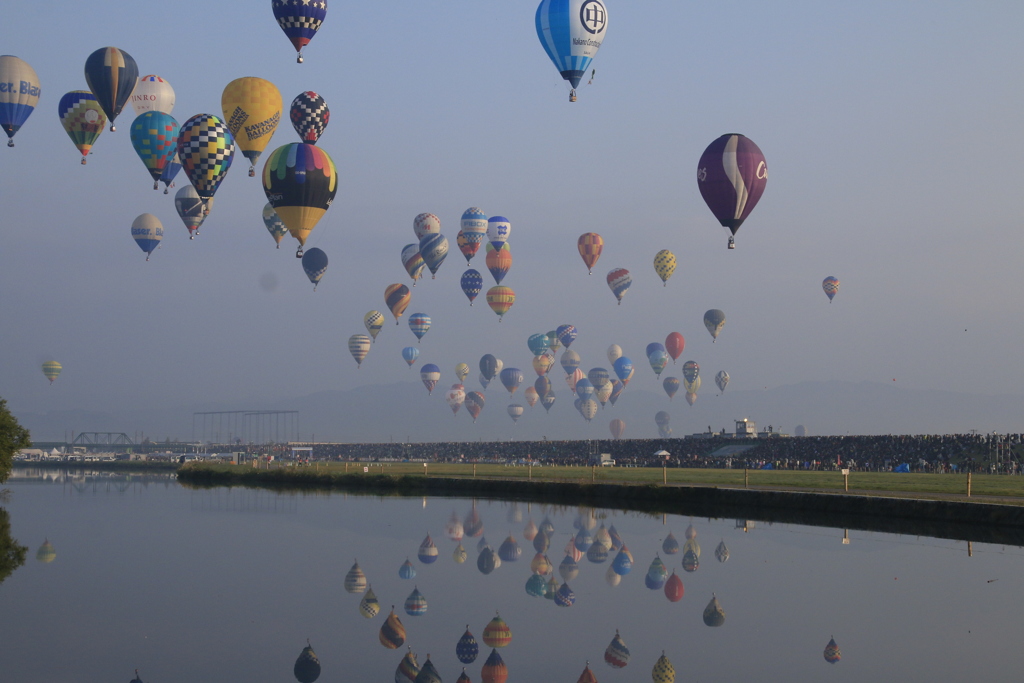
x: 864, y: 483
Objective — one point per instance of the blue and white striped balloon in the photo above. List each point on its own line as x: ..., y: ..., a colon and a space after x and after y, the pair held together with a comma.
x: 571, y: 32
x: 434, y: 249
x: 498, y: 230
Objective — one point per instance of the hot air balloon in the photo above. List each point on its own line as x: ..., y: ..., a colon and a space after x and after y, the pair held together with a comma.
x: 430, y: 374
x: 619, y: 281
x: 369, y: 606
x: 616, y: 654
x: 570, y: 361
x: 571, y: 32
x: 426, y: 224
x: 497, y: 633
x: 691, y: 534
x: 623, y: 562
x: 721, y: 552
x: 691, y: 396
x: 300, y: 20
x: 598, y: 377
x: 564, y: 597
x: 732, y: 175
x: 80, y: 114
x: 587, y: 676
x: 537, y: 343
x: 419, y: 323
x: 611, y: 578
x: 714, y: 320
x: 515, y: 411
x: 374, y: 322
x: 602, y: 537
x: 590, y: 245
x: 147, y: 231
x: 487, y: 561
x: 275, y: 226
x: 832, y: 653
x: 355, y: 579
x: 547, y: 400
x: 51, y: 369
x: 474, y: 229
x: 614, y: 353
x: 658, y: 361
x: 547, y: 527
x: 397, y: 298
x: 664, y: 265
x: 472, y: 282
x: 540, y: 564
x: 674, y: 588
x: 410, y: 354
x: 455, y: 398
x: 460, y: 554
x: 509, y: 551
x: 662, y: 418
x: 674, y: 345
x: 474, y: 404
x: 428, y: 674
x: 392, y: 633
x: 584, y: 389
x: 542, y: 364
x: 656, y: 575
x: 307, y: 666
x: 574, y: 378
x: 566, y: 335
x: 722, y: 380
x: 154, y: 136
x: 171, y: 170
x: 358, y: 344
x: 670, y: 546
x: 434, y: 250
x: 467, y: 648
x: 462, y: 371
x: 511, y: 378
x: 831, y: 287
x: 498, y: 230
x: 623, y: 368
x: 408, y: 668
x: 494, y: 669
x: 690, y: 370
x: 252, y: 110
x: 663, y: 671
x: 671, y: 386
x: 714, y: 615
x: 499, y: 261
x: 500, y: 299
x: 314, y: 263
x: 19, y: 96
x: 112, y: 75
x: 206, y: 149
x: 531, y: 396
x: 152, y: 93
x: 617, y: 427
x: 300, y: 180
x: 582, y: 541
x: 191, y: 209
x: 415, y: 604
x: 568, y: 569
x: 310, y: 116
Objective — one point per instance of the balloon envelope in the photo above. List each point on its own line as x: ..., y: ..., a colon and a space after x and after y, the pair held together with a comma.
x: 51, y: 370
x: 80, y: 115
x: 410, y: 354
x: 590, y: 246
x: 206, y: 149
x: 500, y: 299
x: 732, y: 174
x: 252, y: 110
x: 112, y: 75
x: 831, y: 287
x: 359, y: 346
x: 472, y: 282
x: 154, y: 136
x: 722, y: 380
x: 147, y: 231
x: 314, y: 262
x: 299, y: 20
x: 714, y: 320
x: 397, y: 298
x: 571, y: 32
x: 310, y: 115
x: 419, y: 323
x: 275, y: 226
x: 300, y: 180
x: 664, y: 264
x: 16, y: 104
x: 619, y: 280
x: 674, y: 344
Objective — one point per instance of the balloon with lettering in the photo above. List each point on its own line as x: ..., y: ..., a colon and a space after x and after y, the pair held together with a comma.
x: 499, y: 261
x: 358, y: 345
x: 300, y: 180
x: 570, y: 361
x: 537, y: 343
x: 310, y: 115
x: 548, y: 400
x: 722, y: 380
x: 584, y: 389
x: 664, y: 265
x: 472, y: 282
x: 674, y: 344
x: 732, y: 174
x: 419, y: 323
x: 426, y: 224
x: 112, y: 75
x: 619, y: 281
x: 152, y: 93
x: 314, y: 262
x: 275, y: 226
x: 191, y: 209
x: 590, y: 246
x: 154, y: 136
x: 396, y: 298
x: 410, y: 354
x: 170, y: 170
x: 498, y: 230
x: 82, y: 118
x: 51, y: 370
x: 413, y: 262
x: 488, y: 366
x: 19, y: 94
x: 434, y: 250
x: 473, y: 227
x: 373, y: 321
x: 831, y: 287
x: 571, y: 32
x: 500, y: 299
x: 598, y: 377
x: 147, y: 231
x: 430, y: 374
x: 714, y: 320
x: 511, y: 378
x: 300, y: 20
x: 252, y: 110
x: 206, y: 149
x: 614, y: 353
x: 623, y: 368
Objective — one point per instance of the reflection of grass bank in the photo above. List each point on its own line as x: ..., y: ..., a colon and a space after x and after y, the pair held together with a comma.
x: 99, y: 466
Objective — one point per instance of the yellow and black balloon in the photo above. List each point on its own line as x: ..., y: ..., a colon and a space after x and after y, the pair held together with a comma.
x: 300, y: 181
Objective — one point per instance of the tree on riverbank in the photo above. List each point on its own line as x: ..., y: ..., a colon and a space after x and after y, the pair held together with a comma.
x: 13, y: 437
x: 12, y: 553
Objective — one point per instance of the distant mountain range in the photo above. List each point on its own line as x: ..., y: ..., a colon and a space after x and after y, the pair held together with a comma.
x: 401, y: 412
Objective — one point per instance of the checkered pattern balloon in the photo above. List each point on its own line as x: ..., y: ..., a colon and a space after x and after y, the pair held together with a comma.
x: 206, y: 149
x: 310, y: 115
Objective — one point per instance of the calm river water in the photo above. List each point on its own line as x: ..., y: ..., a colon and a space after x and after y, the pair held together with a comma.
x: 228, y: 585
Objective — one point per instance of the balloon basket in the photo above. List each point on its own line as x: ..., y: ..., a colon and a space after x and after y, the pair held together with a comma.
x: 298, y: 58
x: 10, y: 143
x: 252, y: 171
x: 298, y: 253
x: 572, y: 95
x: 732, y: 243
x: 112, y: 129
x: 83, y: 161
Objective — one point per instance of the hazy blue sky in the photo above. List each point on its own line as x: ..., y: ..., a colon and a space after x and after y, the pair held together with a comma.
x: 891, y: 132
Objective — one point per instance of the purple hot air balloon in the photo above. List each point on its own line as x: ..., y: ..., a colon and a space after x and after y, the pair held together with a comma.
x: 731, y: 176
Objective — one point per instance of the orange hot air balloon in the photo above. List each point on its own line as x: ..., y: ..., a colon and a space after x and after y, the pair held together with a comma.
x: 494, y: 669
x: 397, y: 298
x: 392, y: 633
x: 500, y: 299
x: 590, y: 245
x: 587, y: 676
x: 497, y: 633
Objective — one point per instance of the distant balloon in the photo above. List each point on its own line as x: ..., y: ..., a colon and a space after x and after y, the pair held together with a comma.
x: 51, y: 369
x: 206, y: 149
x: 623, y: 367
x: 604, y: 392
x: 690, y: 370
x: 413, y: 262
x: 714, y: 615
x: 397, y: 298
x: 252, y: 109
x: 17, y: 104
x: 455, y: 398
x: 674, y: 344
x: 584, y: 389
x: 547, y: 400
x: 663, y: 671
x: 511, y: 378
x: 498, y: 230
x: 570, y: 361
x: 467, y: 649
x: 614, y: 353
x: 499, y: 262
x: 314, y: 262
x: 426, y: 224
x: 310, y: 115
x: 590, y: 246
x: 299, y: 20
x: 152, y: 93
x: 531, y: 396
x: 80, y: 114
x: 410, y: 354
x: 674, y: 588
x: 373, y: 321
x: 419, y: 323
x: 652, y: 347
x: 489, y: 366
x: 722, y: 379
x: 617, y: 387
x: 832, y: 653
x: 616, y: 655
x: 691, y: 396
x: 474, y: 403
x: 190, y: 209
x: 732, y: 175
x: 494, y: 669
x: 307, y: 666
x: 500, y: 299
x: 358, y: 346
x: 589, y: 409
x: 392, y: 632
x: 471, y: 284
x: 617, y: 427
x: 275, y: 226
x: 566, y: 335
x: 430, y: 374
x: 473, y: 227
x: 722, y: 552
x: 542, y: 363
x: 658, y: 361
x: 112, y: 75
x: 598, y: 377
x: 408, y: 668
x: 434, y: 250
x: 154, y: 136
x: 619, y: 281
x: 831, y: 287
x: 714, y: 320
x: 147, y: 231
x: 664, y: 265
x: 571, y: 32
x: 300, y: 180
x: 369, y: 606
x: 671, y: 386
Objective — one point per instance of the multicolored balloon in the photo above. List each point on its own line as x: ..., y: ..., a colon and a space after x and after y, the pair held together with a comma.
x: 300, y: 180
x: 571, y: 32
x: 434, y: 250
x: 831, y: 287
x: 152, y: 93
x: 619, y: 281
x: 314, y: 262
x: 396, y: 298
x: 498, y: 230
x: 358, y: 346
x: 570, y: 361
x: 731, y: 175
x: 714, y: 320
x: 80, y: 115
x: 51, y: 370
x: 474, y: 404
x: 252, y: 110
x: 300, y: 20
x: 147, y: 231
x: 832, y: 653
x: 410, y: 354
x: 275, y: 226
x: 430, y: 374
x: 499, y: 261
x: 17, y: 103
x: 419, y: 323
x: 154, y: 136
x: 473, y: 228
x: 112, y: 75
x: 455, y: 397
x: 191, y: 209
x: 664, y: 265
x: 616, y: 655
x: 413, y: 262
x: 310, y: 115
x: 691, y: 370
x: 658, y: 361
x: 722, y: 380
x: 373, y: 321
x: 671, y: 386
x: 566, y: 334
x: 206, y: 149
x: 500, y: 299
x: 590, y: 246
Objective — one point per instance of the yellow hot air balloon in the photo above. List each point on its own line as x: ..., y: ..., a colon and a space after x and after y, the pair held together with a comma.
x: 252, y: 110
x: 462, y: 371
x: 374, y: 321
x: 663, y: 671
x: 51, y: 369
x: 664, y: 265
